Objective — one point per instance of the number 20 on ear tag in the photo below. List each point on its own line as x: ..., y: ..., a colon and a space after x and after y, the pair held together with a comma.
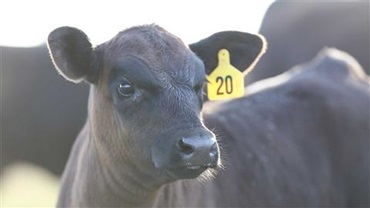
x: 225, y: 81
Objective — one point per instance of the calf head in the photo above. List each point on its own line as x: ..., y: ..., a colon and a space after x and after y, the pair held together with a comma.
x: 146, y: 95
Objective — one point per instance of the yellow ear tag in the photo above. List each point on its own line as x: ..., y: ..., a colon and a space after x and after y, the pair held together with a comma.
x: 225, y: 81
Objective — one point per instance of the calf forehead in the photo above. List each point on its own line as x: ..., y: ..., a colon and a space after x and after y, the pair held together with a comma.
x: 164, y: 53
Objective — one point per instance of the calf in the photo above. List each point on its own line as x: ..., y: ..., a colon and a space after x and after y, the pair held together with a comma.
x: 297, y: 30
x: 144, y: 128
x: 300, y: 139
x: 41, y: 114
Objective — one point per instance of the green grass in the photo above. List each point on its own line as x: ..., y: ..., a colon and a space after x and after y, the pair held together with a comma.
x: 24, y: 185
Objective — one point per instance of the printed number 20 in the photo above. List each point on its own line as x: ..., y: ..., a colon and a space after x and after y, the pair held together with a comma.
x: 228, y: 82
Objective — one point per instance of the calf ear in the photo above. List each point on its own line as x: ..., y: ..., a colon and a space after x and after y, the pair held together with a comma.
x: 245, y: 49
x: 71, y: 52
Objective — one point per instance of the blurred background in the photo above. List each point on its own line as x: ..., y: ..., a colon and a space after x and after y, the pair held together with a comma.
x: 27, y: 23
x: 41, y: 113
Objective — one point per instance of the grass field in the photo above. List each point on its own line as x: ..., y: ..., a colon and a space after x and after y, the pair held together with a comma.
x: 24, y: 185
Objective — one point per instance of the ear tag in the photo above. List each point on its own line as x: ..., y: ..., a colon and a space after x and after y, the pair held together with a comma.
x: 225, y: 81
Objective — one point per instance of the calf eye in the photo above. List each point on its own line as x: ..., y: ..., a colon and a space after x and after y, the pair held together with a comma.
x: 126, y: 89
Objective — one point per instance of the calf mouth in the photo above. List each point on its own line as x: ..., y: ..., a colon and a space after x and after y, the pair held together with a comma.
x: 189, y: 171
x: 186, y: 172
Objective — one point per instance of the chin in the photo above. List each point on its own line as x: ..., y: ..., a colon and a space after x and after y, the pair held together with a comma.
x: 192, y: 172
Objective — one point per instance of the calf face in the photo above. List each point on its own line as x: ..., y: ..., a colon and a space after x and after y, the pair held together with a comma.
x: 146, y: 95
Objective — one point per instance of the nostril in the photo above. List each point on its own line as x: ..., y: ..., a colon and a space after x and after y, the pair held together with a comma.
x: 184, y: 147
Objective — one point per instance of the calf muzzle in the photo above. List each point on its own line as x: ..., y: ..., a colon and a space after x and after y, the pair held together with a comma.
x: 187, y: 156
x: 199, y: 151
